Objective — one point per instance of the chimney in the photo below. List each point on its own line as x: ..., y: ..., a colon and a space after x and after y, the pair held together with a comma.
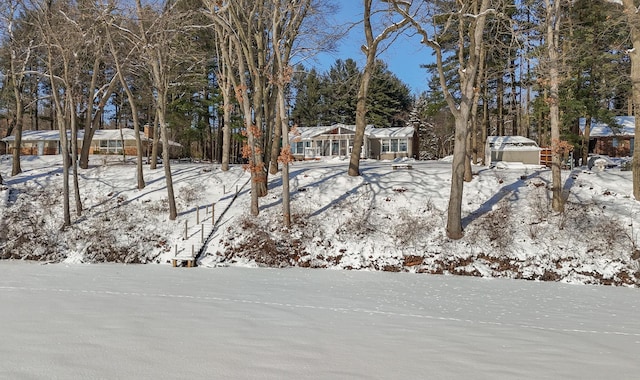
x: 148, y: 131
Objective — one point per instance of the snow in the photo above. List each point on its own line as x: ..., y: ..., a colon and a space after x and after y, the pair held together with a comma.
x: 232, y: 318
x: 72, y: 321
x: 383, y: 220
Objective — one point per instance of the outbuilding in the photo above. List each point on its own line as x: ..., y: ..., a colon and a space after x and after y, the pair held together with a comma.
x: 512, y: 149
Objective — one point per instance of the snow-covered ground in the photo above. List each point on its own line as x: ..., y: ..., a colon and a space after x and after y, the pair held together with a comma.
x: 114, y: 321
x: 385, y: 219
x: 72, y: 320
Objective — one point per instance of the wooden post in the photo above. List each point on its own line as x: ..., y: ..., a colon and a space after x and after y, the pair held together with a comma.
x: 224, y: 190
x: 186, y: 228
x: 198, y: 214
x: 174, y: 262
x: 213, y: 214
x: 193, y: 251
x: 236, y: 189
x: 202, y: 234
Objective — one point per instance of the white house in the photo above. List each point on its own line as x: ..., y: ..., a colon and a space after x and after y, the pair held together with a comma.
x: 309, y: 143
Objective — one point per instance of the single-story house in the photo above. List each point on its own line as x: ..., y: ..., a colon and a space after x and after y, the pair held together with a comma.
x: 512, y: 149
x: 309, y: 143
x: 105, y: 141
x: 611, y: 141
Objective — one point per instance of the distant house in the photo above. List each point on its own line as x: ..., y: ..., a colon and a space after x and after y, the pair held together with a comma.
x: 336, y: 140
x: 105, y: 141
x: 611, y: 141
x: 512, y: 149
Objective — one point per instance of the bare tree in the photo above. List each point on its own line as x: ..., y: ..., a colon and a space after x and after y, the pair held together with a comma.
x: 469, y: 17
x: 286, y: 21
x: 224, y: 71
x: 631, y: 13
x: 120, y: 66
x: 58, y: 60
x: 102, y: 80
x: 20, y: 55
x: 160, y: 37
x: 370, y: 50
x: 244, y: 23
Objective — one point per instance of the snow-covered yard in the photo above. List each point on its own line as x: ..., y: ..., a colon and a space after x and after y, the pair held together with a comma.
x: 113, y: 321
x: 387, y: 220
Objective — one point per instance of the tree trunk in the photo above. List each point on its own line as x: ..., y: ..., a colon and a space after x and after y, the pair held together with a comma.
x: 553, y: 27
x: 65, y: 174
x: 633, y: 20
x: 15, y: 167
x: 500, y: 102
x: 173, y: 210
x: 454, y: 211
x: 361, y: 120
x: 155, y: 142
x: 585, y: 140
x: 285, y: 157
x: 275, y: 146
x: 226, y: 127
x: 74, y: 158
x: 468, y: 172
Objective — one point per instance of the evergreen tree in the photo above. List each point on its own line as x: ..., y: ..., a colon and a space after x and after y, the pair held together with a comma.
x: 340, y: 92
x: 309, y: 101
x: 389, y: 100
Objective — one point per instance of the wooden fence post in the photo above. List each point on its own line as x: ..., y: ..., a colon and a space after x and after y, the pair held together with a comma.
x: 198, y: 214
x: 186, y: 228
x: 213, y: 219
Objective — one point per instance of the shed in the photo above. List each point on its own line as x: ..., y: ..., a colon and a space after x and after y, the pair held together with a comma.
x: 512, y: 149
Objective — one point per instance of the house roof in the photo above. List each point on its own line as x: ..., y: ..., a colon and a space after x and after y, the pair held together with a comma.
x: 598, y: 129
x: 36, y: 136
x: 308, y: 133
x: 511, y: 143
x: 100, y: 134
x: 393, y: 132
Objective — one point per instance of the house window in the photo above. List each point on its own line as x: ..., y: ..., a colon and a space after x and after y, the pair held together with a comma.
x: 615, y: 142
x: 385, y: 146
x: 403, y: 145
x: 394, y: 145
x: 111, y: 146
x: 297, y: 148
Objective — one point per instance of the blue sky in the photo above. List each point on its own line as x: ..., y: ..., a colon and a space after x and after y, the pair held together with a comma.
x: 403, y: 57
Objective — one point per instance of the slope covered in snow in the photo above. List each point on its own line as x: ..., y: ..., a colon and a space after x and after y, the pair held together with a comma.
x: 388, y: 220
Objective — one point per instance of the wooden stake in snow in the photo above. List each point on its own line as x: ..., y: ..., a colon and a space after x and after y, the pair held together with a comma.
x: 213, y: 219
x: 202, y: 234
x: 198, y: 214
x: 185, y: 229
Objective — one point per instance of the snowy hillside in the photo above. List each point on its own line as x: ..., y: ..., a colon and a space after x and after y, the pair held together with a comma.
x: 388, y: 220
